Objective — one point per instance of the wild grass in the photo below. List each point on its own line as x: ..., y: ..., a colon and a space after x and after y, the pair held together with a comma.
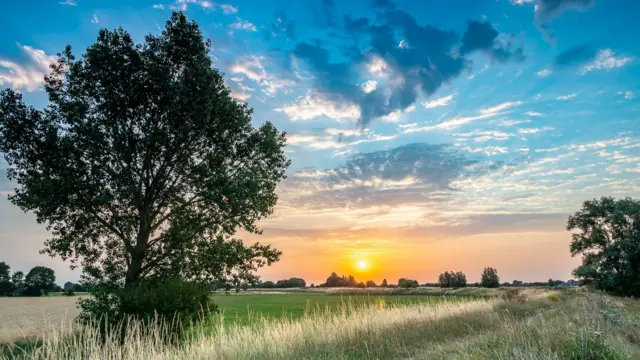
x: 541, y: 326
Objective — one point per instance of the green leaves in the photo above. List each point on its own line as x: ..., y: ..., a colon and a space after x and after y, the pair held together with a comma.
x: 608, y: 239
x: 142, y: 159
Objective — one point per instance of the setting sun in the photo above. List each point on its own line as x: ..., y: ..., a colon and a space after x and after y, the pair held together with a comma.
x: 362, y: 265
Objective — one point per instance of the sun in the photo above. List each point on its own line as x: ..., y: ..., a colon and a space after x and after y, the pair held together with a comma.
x: 362, y: 265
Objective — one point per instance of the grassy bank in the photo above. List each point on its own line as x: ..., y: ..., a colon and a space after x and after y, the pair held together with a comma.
x: 575, y: 325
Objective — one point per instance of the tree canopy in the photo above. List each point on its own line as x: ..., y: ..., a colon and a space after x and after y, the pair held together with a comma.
x: 452, y: 279
x: 143, y: 164
x: 40, y: 280
x: 490, y: 278
x: 607, y: 236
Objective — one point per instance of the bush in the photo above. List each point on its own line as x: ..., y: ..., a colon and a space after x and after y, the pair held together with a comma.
x: 69, y: 292
x: 407, y: 283
x: 174, y: 303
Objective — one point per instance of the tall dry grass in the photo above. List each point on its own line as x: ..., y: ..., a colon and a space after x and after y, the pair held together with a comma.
x: 579, y: 326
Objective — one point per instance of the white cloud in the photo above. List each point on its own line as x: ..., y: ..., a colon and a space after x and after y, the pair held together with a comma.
x: 483, y: 136
x: 500, y: 107
x: 28, y: 75
x: 532, y: 113
x: 158, y: 6
x: 228, y: 9
x: 443, y: 101
x: 314, y: 104
x: 345, y: 132
x: 253, y: 68
x: 324, y: 142
x: 241, y: 24
x: 606, y: 60
x: 488, y: 150
x: 544, y: 72
x: 452, y: 123
x: 403, y: 44
x: 512, y: 122
x: 566, y: 97
x: 410, y: 108
x: 521, y: 2
x: 94, y: 19
x: 392, y: 117
x: 534, y: 130
x: 628, y: 95
x: 369, y: 85
x: 69, y: 2
x: 377, y: 67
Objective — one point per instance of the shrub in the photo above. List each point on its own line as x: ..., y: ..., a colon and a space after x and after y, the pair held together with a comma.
x: 173, y: 303
x: 69, y: 292
x: 407, y: 283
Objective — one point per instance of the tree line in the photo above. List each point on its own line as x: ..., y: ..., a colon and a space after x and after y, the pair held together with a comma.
x: 39, y: 281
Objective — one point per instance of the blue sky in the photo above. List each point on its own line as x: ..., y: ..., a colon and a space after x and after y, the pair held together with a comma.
x: 424, y: 136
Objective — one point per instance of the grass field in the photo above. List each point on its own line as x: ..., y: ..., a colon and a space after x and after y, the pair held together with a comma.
x: 534, y: 324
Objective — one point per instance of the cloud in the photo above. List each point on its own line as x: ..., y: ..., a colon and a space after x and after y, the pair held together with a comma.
x: 228, y: 9
x: 253, y: 67
x: 335, y: 138
x: 533, y: 113
x: 534, y: 130
x: 418, y: 69
x: 606, y: 60
x: 574, y: 56
x: 627, y: 95
x: 500, y: 107
x: 566, y: 97
x: 369, y: 85
x: 29, y: 74
x: 544, y: 72
x: 158, y: 6
x: 315, y: 104
x: 241, y: 24
x: 281, y: 25
x: 410, y: 174
x: 547, y: 10
x: 481, y: 36
x: 94, y: 19
x: 69, y: 3
x: 442, y: 101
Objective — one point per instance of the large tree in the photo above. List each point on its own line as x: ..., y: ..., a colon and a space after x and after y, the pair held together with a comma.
x: 143, y: 164
x: 40, y: 280
x: 607, y: 236
x: 490, y: 278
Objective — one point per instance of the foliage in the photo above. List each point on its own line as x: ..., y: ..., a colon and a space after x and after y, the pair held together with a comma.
x: 40, y: 280
x: 5, y: 270
x: 291, y: 283
x: 384, y: 283
x: 340, y: 281
x: 371, y: 284
x: 490, y: 278
x: 361, y: 285
x: 608, y: 239
x: 69, y: 292
x: 267, y: 284
x: 174, y: 302
x: 554, y: 283
x: 516, y: 283
x: 407, y: 283
x: 143, y: 164
x: 452, y: 279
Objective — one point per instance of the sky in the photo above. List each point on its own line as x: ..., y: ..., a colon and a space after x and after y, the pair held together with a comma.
x: 424, y: 136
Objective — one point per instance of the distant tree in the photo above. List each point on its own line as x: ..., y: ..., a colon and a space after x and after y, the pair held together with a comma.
x: 607, y: 236
x: 312, y: 285
x: 291, y: 283
x: 452, y: 279
x: 361, y: 285
x: 340, y: 281
x: 384, y: 283
x: 18, y: 283
x: 267, y: 284
x: 407, y: 283
x: 490, y: 278
x: 5, y: 271
x: 371, y: 284
x: 6, y: 286
x: 351, y: 281
x: 516, y: 283
x: 68, y: 285
x: 40, y: 280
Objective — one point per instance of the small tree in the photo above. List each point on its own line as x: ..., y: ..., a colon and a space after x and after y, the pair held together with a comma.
x: 407, y: 283
x: 6, y: 286
x: 384, y: 283
x: 371, y: 284
x: 40, y: 280
x: 267, y: 284
x: 452, y: 279
x: 607, y: 236
x: 490, y: 278
x: 516, y: 283
x: 18, y: 283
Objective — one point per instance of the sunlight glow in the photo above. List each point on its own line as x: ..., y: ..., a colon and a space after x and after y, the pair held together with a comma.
x: 362, y: 265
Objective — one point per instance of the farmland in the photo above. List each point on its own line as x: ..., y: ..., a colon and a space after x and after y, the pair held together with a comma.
x: 491, y: 324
